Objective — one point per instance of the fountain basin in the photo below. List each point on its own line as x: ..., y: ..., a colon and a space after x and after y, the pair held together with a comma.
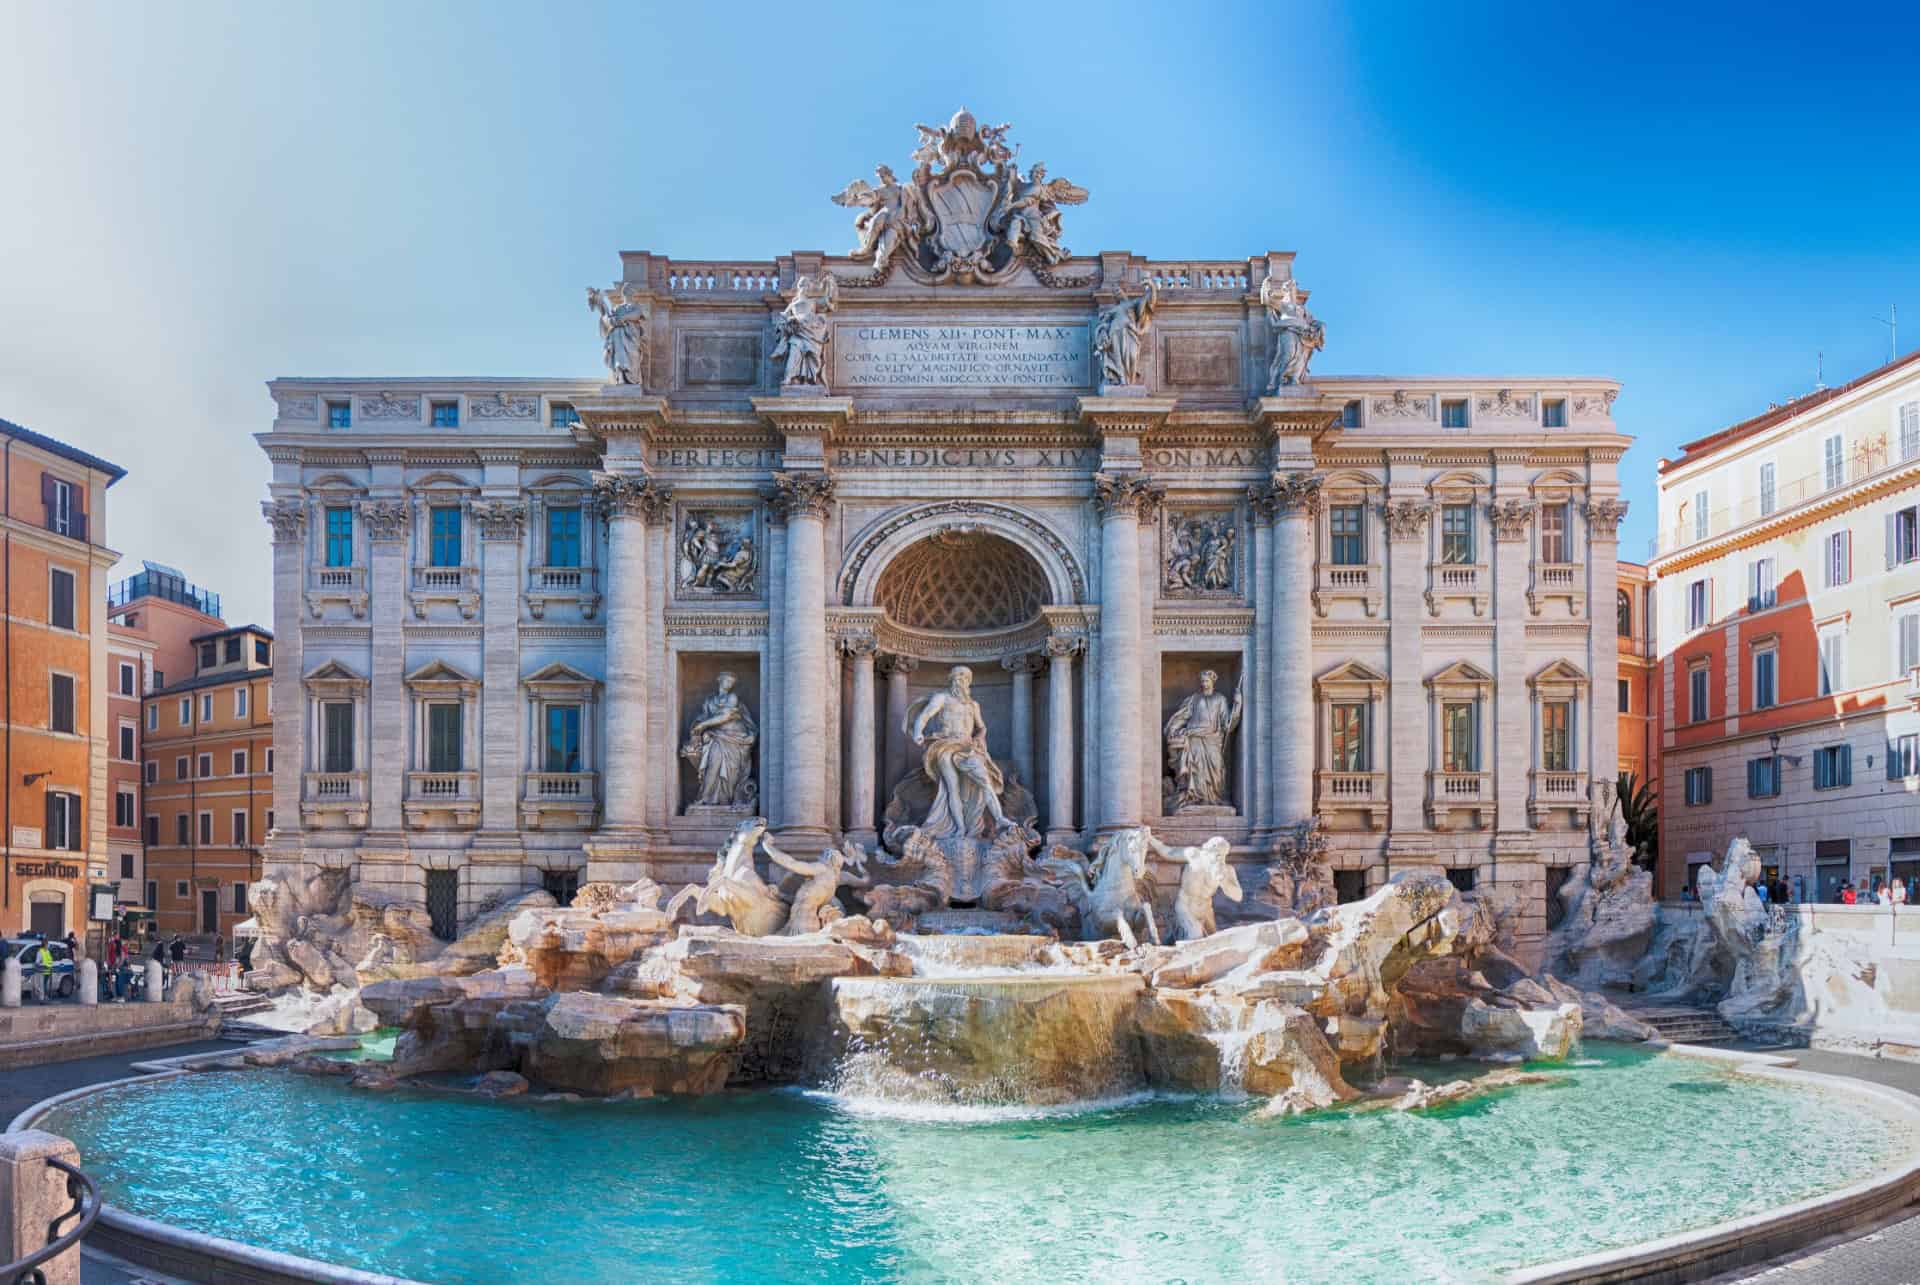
x: 993, y: 1039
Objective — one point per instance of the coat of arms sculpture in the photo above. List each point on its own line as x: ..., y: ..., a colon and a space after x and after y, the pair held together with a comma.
x: 973, y: 220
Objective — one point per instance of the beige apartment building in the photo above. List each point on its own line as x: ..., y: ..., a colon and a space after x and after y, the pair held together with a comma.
x: 1788, y: 579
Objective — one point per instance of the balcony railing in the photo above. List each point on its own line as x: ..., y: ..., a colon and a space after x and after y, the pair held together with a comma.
x: 563, y: 579
x: 442, y: 786
x: 1449, y: 792
x: 1198, y: 276
x: 561, y: 786
x: 1470, y: 580
x: 443, y: 579
x: 1868, y: 460
x: 717, y: 278
x: 336, y: 787
x: 1363, y: 581
x: 1553, y: 790
x: 559, y: 800
x: 338, y: 579
x: 1361, y: 792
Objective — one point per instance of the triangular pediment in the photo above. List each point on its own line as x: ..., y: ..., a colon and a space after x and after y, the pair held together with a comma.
x: 1559, y: 671
x: 559, y: 672
x: 439, y: 671
x: 1461, y: 673
x: 1351, y: 673
x: 334, y: 671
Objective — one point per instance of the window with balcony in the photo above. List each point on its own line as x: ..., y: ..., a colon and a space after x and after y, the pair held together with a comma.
x: 1700, y: 525
x: 1349, y: 748
x: 562, y: 747
x: 1453, y: 413
x: 1768, y: 495
x: 339, y: 519
x: 563, y: 536
x: 339, y: 415
x: 1553, y: 412
x: 60, y: 599
x: 1554, y: 544
x: 1699, y: 786
x: 1763, y: 777
x: 1697, y: 694
x: 446, y: 415
x: 336, y: 753
x: 1556, y: 736
x: 1833, y: 462
x: 443, y: 737
x: 1832, y: 767
x: 63, y: 509
x: 1346, y: 535
x: 1766, y: 665
x: 1762, y: 582
x: 1456, y: 534
x: 444, y: 536
x: 1460, y: 736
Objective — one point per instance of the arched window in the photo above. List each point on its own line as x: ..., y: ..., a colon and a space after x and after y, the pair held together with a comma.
x: 1624, y: 608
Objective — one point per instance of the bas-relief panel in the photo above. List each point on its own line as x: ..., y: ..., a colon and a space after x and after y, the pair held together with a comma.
x: 719, y: 552
x: 1201, y: 552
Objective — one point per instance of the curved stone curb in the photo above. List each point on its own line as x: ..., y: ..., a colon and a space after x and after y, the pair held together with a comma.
x: 1707, y: 1251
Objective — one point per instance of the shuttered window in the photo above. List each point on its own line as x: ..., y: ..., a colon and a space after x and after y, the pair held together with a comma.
x: 337, y: 754
x: 60, y: 599
x: 63, y: 822
x: 60, y: 702
x: 443, y: 738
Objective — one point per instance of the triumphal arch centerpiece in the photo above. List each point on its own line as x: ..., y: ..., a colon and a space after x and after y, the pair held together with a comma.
x: 953, y: 547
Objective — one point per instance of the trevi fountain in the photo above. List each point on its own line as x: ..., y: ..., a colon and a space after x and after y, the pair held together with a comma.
x: 1213, y: 963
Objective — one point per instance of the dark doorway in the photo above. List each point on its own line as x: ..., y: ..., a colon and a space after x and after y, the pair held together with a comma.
x: 562, y: 884
x: 443, y: 903
x: 1462, y: 877
x: 1833, y: 863
x: 48, y: 918
x: 1349, y: 886
x: 1557, y: 877
x: 209, y: 910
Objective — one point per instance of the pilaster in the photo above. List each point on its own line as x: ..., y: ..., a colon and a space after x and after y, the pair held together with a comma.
x: 502, y: 525
x: 1511, y: 517
x: 387, y: 523
x: 1295, y: 499
x: 288, y: 518
x: 1123, y: 500
x: 1603, y: 518
x: 1406, y: 737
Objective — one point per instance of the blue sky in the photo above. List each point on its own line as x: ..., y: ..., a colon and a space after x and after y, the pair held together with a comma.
x: 1695, y: 200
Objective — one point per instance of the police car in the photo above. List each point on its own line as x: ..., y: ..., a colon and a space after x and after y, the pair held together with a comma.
x: 27, y: 950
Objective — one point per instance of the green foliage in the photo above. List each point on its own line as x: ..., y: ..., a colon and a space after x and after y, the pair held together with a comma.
x: 1640, y: 813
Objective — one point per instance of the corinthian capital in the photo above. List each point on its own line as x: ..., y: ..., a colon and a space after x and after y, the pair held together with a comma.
x: 798, y: 495
x: 1510, y: 519
x: 622, y: 495
x: 288, y: 518
x: 1125, y: 493
x: 386, y: 521
x: 1406, y: 519
x: 1064, y: 646
x: 1295, y: 493
x: 1603, y: 518
x: 500, y: 519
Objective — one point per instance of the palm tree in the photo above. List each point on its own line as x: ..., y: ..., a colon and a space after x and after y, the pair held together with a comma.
x: 1640, y: 813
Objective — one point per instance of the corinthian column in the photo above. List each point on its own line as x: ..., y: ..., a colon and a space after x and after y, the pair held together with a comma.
x: 860, y: 744
x: 1021, y: 667
x: 387, y: 523
x: 805, y: 498
x: 1296, y: 503
x: 1060, y: 654
x: 629, y: 502
x: 289, y: 520
x: 1123, y: 500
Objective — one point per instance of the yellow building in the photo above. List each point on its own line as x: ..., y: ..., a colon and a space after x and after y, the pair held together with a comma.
x: 209, y: 777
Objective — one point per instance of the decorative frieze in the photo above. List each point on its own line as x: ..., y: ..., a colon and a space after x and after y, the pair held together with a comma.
x: 388, y: 406
x: 1406, y: 519
x: 1594, y: 405
x: 1504, y: 404
x: 1402, y: 405
x: 1125, y: 493
x: 501, y: 406
x: 796, y: 495
x: 298, y: 407
x: 500, y: 519
x: 1510, y: 519
x: 385, y: 521
x: 288, y: 519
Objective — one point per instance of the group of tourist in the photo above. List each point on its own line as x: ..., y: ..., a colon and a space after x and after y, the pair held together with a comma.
x: 1892, y: 894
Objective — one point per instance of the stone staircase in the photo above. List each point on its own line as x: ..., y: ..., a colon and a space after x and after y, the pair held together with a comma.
x: 1687, y: 1025
x: 234, y: 1005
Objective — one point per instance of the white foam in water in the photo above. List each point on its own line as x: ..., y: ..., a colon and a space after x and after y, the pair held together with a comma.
x: 874, y: 1108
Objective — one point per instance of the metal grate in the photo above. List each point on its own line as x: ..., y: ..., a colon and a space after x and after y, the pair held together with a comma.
x: 443, y: 903
x: 1557, y: 877
x: 563, y: 884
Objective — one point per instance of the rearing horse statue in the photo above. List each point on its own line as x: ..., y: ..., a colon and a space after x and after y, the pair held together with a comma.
x: 1109, y: 891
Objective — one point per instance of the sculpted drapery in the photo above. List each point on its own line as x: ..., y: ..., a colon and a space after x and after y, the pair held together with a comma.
x: 720, y: 744
x: 1197, y: 744
x: 966, y: 781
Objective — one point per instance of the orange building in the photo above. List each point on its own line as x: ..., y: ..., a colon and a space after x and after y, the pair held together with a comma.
x: 1639, y: 693
x: 54, y: 638
x: 209, y: 774
x: 129, y: 675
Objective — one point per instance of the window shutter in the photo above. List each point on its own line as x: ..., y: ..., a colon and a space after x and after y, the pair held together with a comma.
x: 52, y: 808
x: 1846, y: 765
x: 46, y: 489
x: 1893, y: 759
x: 1706, y: 785
x: 79, y: 827
x: 1753, y: 778
x: 1846, y: 555
x: 1892, y: 536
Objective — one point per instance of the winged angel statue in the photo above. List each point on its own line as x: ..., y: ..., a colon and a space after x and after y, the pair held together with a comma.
x: 966, y: 213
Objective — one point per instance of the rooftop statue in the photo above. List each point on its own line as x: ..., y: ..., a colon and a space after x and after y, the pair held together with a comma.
x: 1120, y: 335
x: 1297, y: 334
x: 973, y: 219
x: 623, y: 334
x: 803, y: 330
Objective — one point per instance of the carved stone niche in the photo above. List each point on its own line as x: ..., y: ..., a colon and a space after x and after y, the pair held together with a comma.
x: 719, y: 551
x: 1180, y: 680
x: 698, y: 686
x: 1202, y: 552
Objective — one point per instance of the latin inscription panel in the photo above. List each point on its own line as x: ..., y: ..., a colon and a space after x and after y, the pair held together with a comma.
x: 1048, y: 356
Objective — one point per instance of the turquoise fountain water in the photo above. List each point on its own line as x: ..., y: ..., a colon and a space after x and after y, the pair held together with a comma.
x: 758, y: 1185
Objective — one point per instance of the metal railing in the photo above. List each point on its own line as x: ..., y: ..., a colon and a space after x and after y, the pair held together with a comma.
x: 1868, y: 460
x: 86, y: 1207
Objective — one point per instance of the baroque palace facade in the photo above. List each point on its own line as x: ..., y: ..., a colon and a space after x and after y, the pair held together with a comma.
x: 542, y: 631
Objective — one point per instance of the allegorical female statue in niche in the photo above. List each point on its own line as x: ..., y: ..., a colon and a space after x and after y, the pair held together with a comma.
x: 720, y: 745
x: 966, y: 781
x: 1197, y: 746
